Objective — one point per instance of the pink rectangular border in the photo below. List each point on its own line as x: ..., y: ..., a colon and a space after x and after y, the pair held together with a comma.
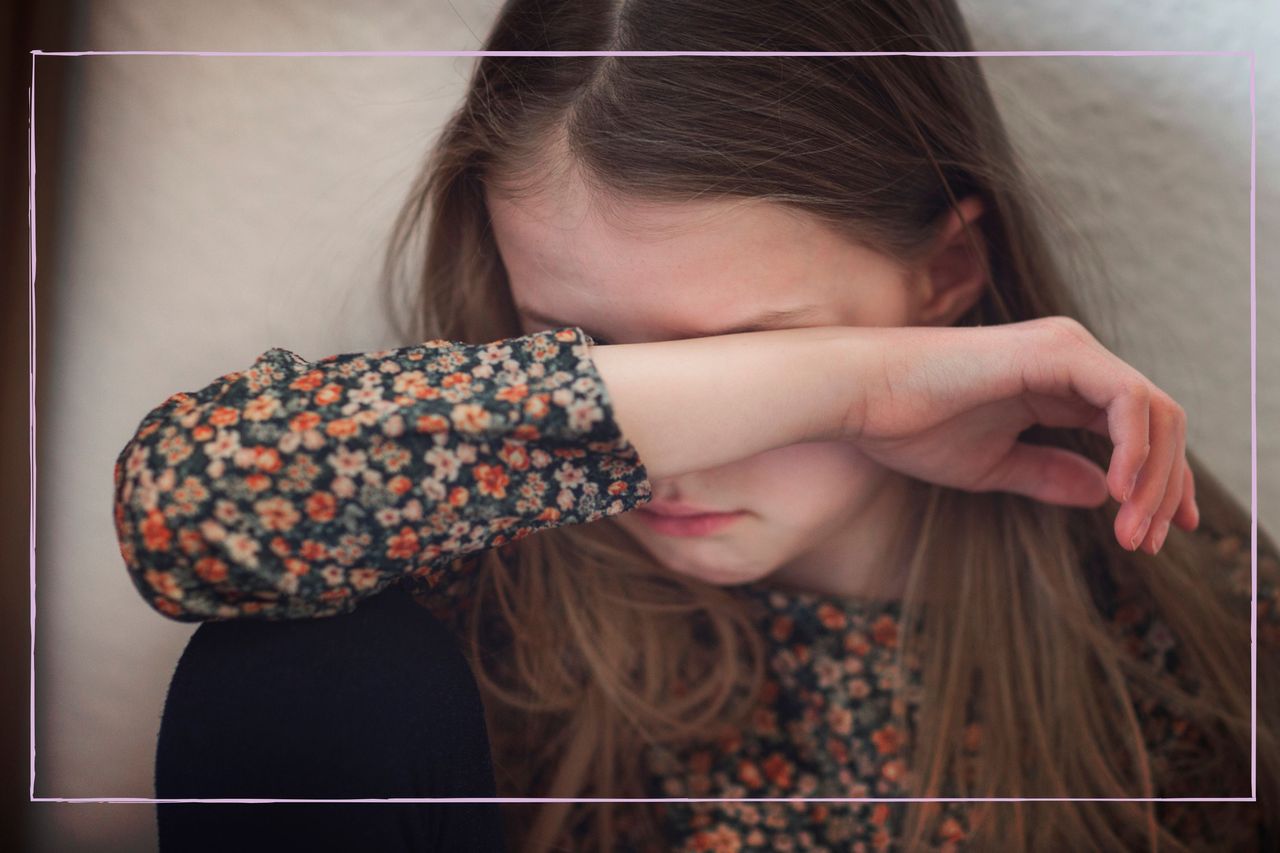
x: 1253, y: 415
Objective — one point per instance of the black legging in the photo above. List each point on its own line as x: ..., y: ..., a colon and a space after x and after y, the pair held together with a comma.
x: 375, y: 703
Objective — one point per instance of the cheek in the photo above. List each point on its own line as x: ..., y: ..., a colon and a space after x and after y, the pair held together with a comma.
x: 812, y: 479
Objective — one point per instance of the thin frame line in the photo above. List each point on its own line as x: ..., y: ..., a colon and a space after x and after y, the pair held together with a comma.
x: 1253, y: 448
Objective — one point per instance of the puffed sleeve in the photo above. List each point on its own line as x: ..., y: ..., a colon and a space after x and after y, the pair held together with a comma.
x: 293, y: 488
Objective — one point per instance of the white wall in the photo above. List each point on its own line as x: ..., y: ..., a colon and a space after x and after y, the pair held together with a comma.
x: 216, y: 207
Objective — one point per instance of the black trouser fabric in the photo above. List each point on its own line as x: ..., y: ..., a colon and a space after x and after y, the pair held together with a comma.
x: 379, y: 702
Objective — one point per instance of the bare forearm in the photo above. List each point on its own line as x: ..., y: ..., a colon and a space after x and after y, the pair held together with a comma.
x: 697, y: 403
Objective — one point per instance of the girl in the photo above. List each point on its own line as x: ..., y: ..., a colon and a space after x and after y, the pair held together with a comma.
x: 835, y: 494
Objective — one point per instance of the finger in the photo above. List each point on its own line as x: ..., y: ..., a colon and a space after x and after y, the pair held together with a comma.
x: 1139, y: 513
x: 1188, y: 515
x: 1049, y: 474
x: 1172, y: 497
x: 1100, y: 378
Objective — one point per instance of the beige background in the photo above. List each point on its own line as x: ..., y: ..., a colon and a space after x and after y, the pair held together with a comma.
x: 212, y: 208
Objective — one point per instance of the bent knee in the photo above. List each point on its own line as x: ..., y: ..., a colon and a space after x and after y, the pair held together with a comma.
x: 379, y: 702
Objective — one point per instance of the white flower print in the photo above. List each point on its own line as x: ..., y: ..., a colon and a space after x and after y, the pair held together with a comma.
x: 343, y: 487
x: 445, y: 463
x: 583, y: 414
x: 224, y: 445
x: 433, y: 489
x: 387, y: 516
x: 226, y: 511
x: 347, y: 462
x: 365, y: 396
x: 393, y: 426
x: 243, y: 549
x: 569, y: 476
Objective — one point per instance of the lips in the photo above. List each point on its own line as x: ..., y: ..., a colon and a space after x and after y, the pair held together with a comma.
x: 681, y: 510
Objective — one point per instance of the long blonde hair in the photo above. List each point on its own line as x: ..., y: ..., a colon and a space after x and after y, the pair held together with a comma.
x: 586, y: 650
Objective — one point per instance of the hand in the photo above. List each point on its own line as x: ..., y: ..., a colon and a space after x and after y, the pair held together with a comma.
x: 949, y: 403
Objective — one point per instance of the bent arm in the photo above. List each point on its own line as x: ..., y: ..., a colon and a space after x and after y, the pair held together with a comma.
x: 294, y: 489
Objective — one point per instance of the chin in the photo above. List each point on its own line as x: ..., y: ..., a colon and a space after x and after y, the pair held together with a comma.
x: 721, y: 578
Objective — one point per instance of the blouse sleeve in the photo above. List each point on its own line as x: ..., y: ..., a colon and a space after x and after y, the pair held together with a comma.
x: 294, y: 489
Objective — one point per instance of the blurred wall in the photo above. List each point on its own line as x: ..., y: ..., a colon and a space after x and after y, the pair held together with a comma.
x: 211, y: 208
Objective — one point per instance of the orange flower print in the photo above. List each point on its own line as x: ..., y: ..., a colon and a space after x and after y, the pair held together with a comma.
x: 537, y: 407
x: 321, y: 506
x: 342, y: 428
x: 885, y: 631
x: 313, y: 550
x: 470, y: 417
x: 304, y: 421
x: 856, y: 644
x: 459, y: 496
x: 277, y: 513
x: 893, y: 769
x: 224, y: 416
x: 515, y: 455
x: 190, y: 541
x: 211, y: 570
x: 261, y: 408
x: 951, y: 830
x: 163, y: 583
x: 308, y: 381
x: 266, y: 459
x: 455, y: 379
x: 887, y: 739
x: 399, y: 484
x: 513, y: 393
x: 781, y: 628
x: 431, y: 423
x: 330, y: 393
x: 880, y: 814
x: 749, y: 774
x: 257, y: 482
x: 403, y: 545
x: 830, y: 616
x: 155, y: 533
x: 204, y: 432
x: 778, y: 769
x: 166, y: 606
x: 722, y: 839
x: 492, y: 480
x: 364, y: 578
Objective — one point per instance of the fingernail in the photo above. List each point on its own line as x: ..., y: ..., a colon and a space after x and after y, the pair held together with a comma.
x: 1195, y: 508
x: 1133, y: 484
x: 1161, y: 532
x: 1142, y: 531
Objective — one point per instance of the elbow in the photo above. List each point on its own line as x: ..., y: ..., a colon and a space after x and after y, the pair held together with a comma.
x: 171, y: 567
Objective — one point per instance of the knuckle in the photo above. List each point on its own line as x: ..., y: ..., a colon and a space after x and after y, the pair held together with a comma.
x: 1140, y: 389
x: 1068, y: 328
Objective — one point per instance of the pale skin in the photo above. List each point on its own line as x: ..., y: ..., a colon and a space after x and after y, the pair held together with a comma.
x: 813, y: 423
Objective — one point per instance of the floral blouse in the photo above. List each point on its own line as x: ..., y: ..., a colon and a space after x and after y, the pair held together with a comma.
x: 295, y: 489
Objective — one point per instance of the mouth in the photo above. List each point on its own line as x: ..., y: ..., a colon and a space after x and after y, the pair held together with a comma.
x: 687, y: 523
